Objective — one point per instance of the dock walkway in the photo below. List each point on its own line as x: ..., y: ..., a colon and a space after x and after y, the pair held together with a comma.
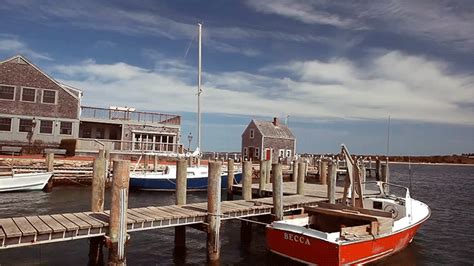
x: 42, y: 229
x: 289, y: 188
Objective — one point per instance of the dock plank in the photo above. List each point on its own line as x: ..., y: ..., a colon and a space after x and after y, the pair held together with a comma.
x: 39, y: 225
x: 70, y: 226
x: 144, y: 217
x: 53, y: 224
x: 76, y: 220
x: 160, y: 212
x: 93, y: 222
x: 10, y: 228
x: 25, y: 227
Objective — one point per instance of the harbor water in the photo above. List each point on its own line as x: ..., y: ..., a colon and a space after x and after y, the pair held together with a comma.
x: 447, y: 238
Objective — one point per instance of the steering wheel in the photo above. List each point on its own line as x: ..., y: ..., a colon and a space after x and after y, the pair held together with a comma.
x: 392, y: 209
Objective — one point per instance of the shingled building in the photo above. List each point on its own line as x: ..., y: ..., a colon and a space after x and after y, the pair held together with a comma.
x: 268, y: 140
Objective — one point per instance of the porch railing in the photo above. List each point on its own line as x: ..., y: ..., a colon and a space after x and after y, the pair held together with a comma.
x: 131, y: 146
x: 126, y: 115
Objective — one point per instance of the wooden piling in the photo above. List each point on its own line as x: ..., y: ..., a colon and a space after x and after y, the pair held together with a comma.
x: 118, y: 213
x: 277, y: 191
x: 363, y: 170
x: 97, y: 205
x: 268, y: 173
x: 181, y: 184
x: 377, y: 168
x: 263, y: 177
x: 294, y: 177
x: 155, y: 163
x: 332, y: 175
x: 145, y: 162
x: 324, y: 172
x: 385, y: 172
x: 300, y: 181
x: 247, y: 180
x: 214, y: 211
x: 50, y: 168
x: 230, y: 178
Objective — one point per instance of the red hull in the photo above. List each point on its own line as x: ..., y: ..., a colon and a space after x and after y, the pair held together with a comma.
x: 316, y: 251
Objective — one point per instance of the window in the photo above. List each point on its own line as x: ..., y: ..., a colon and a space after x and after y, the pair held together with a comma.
x: 46, y: 127
x: 28, y: 95
x: 281, y: 152
x: 26, y: 125
x: 251, y: 134
x: 288, y: 153
x: 65, y: 128
x: 257, y: 152
x: 7, y: 93
x: 5, y: 124
x: 49, y: 96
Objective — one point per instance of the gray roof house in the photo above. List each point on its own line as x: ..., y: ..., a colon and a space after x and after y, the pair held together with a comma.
x: 268, y: 140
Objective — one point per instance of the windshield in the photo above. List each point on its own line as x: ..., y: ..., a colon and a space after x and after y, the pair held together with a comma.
x: 394, y: 190
x: 371, y: 188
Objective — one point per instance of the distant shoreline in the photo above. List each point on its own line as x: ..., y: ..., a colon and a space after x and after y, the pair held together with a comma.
x: 440, y: 164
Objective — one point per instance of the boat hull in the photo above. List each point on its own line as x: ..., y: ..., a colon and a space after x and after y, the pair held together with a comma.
x: 24, y: 182
x: 194, y: 183
x: 313, y: 250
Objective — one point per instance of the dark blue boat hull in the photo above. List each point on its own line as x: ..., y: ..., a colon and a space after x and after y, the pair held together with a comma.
x: 199, y: 183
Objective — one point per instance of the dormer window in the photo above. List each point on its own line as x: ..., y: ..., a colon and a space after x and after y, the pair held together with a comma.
x: 49, y: 96
x: 28, y: 95
x: 251, y: 133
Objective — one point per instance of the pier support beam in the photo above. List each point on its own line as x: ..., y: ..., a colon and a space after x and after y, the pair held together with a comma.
x: 97, y: 205
x: 385, y: 172
x: 263, y: 177
x: 181, y: 184
x: 332, y: 176
x: 300, y: 181
x: 377, y: 168
x: 230, y: 178
x: 50, y: 168
x: 277, y: 191
x: 294, y: 177
x: 214, y: 212
x: 117, y: 234
x: 269, y: 170
x: 247, y: 180
x: 324, y: 172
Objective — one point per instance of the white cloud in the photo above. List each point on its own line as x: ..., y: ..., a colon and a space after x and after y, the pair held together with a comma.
x: 13, y: 46
x: 405, y: 87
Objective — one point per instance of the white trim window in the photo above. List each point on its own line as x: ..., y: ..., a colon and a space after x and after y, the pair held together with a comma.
x: 7, y: 93
x: 245, y: 151
x: 49, y: 97
x: 65, y: 128
x: 46, y: 127
x: 257, y: 153
x: 288, y: 153
x: 252, y: 134
x: 28, y: 95
x: 5, y: 124
x: 25, y: 125
x: 281, y: 153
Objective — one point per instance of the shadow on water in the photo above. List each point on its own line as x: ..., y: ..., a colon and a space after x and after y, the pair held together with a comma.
x: 446, y: 238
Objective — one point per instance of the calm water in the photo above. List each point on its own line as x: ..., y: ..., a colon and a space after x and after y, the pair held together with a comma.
x: 446, y: 238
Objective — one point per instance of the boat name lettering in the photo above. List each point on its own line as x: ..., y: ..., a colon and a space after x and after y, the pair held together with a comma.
x: 297, y: 238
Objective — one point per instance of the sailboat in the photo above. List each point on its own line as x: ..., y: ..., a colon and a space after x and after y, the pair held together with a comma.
x: 373, y: 220
x: 197, y: 176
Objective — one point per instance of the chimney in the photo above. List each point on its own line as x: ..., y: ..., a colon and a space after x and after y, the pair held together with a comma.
x: 276, y: 122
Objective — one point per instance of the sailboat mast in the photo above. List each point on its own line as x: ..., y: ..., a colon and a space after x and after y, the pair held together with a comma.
x: 199, y: 91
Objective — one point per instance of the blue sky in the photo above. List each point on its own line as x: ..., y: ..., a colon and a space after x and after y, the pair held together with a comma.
x: 338, y: 69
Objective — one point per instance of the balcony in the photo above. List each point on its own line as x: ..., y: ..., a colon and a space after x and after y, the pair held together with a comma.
x: 121, y: 114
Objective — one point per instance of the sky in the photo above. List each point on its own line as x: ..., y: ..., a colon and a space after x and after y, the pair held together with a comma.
x: 335, y: 71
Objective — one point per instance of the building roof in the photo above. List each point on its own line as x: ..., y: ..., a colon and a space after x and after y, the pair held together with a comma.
x: 22, y: 60
x: 268, y: 129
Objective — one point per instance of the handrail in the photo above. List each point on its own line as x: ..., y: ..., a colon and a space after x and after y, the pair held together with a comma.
x: 126, y: 115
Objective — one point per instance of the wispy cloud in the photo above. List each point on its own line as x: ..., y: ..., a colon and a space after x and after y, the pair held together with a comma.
x: 406, y: 87
x: 12, y: 45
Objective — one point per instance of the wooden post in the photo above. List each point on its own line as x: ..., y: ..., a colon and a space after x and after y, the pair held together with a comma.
x: 300, y: 182
x: 118, y: 213
x: 214, y: 211
x: 247, y: 180
x: 324, y: 172
x: 263, y: 177
x: 155, y: 163
x: 332, y: 173
x: 145, y: 162
x: 377, y: 168
x: 181, y: 184
x: 294, y: 177
x: 364, y: 171
x: 277, y: 192
x: 269, y: 169
x: 97, y: 205
x: 50, y: 168
x: 385, y: 172
x: 230, y: 178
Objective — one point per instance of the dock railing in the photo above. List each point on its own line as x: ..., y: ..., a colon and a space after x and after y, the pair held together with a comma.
x: 127, y: 115
x: 85, y: 144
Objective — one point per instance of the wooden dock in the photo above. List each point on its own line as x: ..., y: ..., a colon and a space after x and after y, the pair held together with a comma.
x: 289, y: 188
x: 33, y: 230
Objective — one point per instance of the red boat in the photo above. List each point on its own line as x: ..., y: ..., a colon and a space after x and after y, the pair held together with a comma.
x: 337, y: 234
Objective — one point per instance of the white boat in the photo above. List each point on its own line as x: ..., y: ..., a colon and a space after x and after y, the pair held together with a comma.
x: 23, y: 182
